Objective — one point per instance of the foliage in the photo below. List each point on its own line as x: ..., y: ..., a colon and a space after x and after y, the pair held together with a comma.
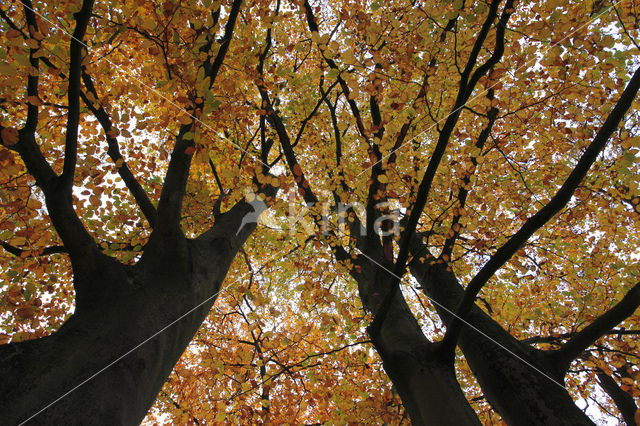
x: 363, y: 100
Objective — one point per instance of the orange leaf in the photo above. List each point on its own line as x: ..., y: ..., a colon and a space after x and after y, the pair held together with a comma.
x: 34, y: 100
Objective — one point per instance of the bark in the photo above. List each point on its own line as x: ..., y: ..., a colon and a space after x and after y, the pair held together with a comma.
x: 425, y: 381
x: 523, y: 384
x: 108, y: 362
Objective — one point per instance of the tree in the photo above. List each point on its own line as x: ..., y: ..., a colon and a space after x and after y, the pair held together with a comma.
x: 492, y: 147
x: 157, y: 296
x: 524, y: 385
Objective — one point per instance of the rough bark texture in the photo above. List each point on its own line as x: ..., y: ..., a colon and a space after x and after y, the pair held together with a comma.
x: 425, y: 381
x: 519, y: 393
x: 148, y: 300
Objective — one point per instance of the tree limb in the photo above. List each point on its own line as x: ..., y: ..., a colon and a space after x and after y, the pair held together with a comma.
x: 175, y: 182
x: 73, y: 94
x: 226, y: 41
x: 559, y: 200
x: 58, y: 197
x: 139, y: 194
x: 32, y: 79
x: 18, y: 252
x: 464, y: 92
x: 598, y: 328
x: 463, y: 192
x: 623, y: 400
x: 313, y: 26
x: 555, y: 339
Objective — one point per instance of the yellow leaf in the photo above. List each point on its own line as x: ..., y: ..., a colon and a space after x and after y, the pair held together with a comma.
x: 185, y: 119
x: 18, y: 241
x: 32, y: 43
x: 6, y: 69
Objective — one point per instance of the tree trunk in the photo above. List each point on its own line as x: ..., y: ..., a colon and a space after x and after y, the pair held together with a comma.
x: 525, y: 391
x: 108, y: 362
x: 424, y: 380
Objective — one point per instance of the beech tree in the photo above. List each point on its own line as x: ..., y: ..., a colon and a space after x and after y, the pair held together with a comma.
x: 451, y: 227
x: 134, y: 315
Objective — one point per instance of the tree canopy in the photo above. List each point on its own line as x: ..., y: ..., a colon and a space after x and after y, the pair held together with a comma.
x: 449, y: 186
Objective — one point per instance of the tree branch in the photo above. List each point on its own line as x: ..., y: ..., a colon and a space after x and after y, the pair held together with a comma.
x: 73, y: 94
x: 58, y: 197
x: 139, y: 194
x: 313, y: 26
x: 559, y: 200
x: 555, y: 339
x: 226, y: 41
x: 285, y: 141
x: 32, y: 79
x: 464, y: 92
x: 173, y: 189
x: 18, y: 252
x: 447, y: 248
x: 598, y: 328
x: 623, y: 400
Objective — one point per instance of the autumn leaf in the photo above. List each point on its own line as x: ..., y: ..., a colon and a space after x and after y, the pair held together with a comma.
x: 473, y: 114
x: 9, y: 136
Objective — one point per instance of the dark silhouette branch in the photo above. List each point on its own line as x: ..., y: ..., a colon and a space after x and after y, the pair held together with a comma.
x: 18, y: 252
x: 557, y: 202
x: 225, y: 42
x: 463, y: 192
x: 581, y: 340
x: 477, y: 47
x: 313, y: 26
x: 285, y: 141
x: 175, y: 182
x: 623, y: 400
x: 57, y: 192
x: 464, y: 92
x: 73, y: 94
x: 323, y: 98
x: 32, y: 79
x: 555, y: 339
x: 139, y: 194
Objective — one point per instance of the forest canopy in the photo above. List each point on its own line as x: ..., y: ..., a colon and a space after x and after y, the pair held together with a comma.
x: 309, y: 212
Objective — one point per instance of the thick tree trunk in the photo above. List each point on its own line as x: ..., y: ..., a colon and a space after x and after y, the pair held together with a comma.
x: 424, y: 380
x: 520, y: 382
x: 108, y: 362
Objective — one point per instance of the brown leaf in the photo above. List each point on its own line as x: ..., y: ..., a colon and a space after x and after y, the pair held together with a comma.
x: 9, y: 136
